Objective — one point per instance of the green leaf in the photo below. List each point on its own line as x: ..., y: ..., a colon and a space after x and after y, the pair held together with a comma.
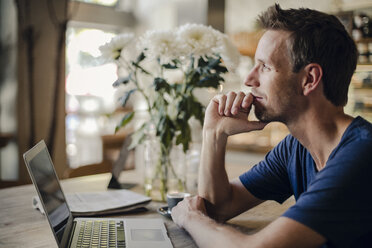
x: 118, y: 52
x: 161, y: 85
x: 124, y: 99
x: 122, y: 80
x: 124, y: 121
x: 196, y: 110
x: 165, y: 130
x: 191, y: 65
x: 138, y: 137
x: 140, y: 57
x: 184, y: 137
x: 213, y: 62
x: 202, y: 62
x: 193, y: 78
x: 178, y: 89
x: 220, y: 69
x: 212, y: 80
x: 189, y: 106
x: 170, y: 66
x: 160, y: 104
x: 182, y: 109
x: 176, y: 61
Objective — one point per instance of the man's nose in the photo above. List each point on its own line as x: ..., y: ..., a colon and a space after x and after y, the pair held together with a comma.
x: 252, y: 80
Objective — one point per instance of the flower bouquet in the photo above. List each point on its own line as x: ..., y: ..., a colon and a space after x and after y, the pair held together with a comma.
x: 164, y: 68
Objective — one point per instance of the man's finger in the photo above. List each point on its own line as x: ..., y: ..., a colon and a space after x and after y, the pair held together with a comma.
x: 237, y: 103
x: 247, y: 101
x: 221, y: 102
x: 229, y: 102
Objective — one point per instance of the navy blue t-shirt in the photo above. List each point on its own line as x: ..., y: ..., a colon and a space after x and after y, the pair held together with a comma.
x: 336, y: 201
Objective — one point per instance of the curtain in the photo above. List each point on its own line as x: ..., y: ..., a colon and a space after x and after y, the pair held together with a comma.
x: 41, y: 79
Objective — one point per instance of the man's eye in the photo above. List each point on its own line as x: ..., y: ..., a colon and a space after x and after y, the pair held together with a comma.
x: 265, y: 67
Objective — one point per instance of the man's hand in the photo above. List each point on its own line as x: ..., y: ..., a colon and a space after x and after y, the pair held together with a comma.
x: 186, y: 208
x: 228, y: 114
x: 225, y: 115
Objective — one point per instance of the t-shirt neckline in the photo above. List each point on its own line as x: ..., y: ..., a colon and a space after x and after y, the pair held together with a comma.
x: 344, y: 135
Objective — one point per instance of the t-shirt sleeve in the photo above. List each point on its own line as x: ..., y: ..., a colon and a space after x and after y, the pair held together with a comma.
x: 338, y: 203
x: 268, y: 180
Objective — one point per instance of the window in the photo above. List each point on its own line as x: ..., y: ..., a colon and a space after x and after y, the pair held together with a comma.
x: 89, y: 91
x: 100, y: 2
x: 89, y: 94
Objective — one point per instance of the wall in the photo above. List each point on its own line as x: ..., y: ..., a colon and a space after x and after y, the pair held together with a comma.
x: 165, y: 14
x: 240, y: 15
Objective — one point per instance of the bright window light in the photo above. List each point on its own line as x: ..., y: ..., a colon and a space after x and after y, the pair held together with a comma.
x: 100, y: 2
x: 89, y: 94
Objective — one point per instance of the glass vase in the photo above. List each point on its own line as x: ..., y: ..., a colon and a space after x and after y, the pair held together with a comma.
x: 164, y: 170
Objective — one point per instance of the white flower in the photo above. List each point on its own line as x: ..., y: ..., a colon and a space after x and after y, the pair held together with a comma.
x: 174, y: 76
x: 198, y: 39
x: 160, y: 44
x: 112, y: 50
x: 228, y: 52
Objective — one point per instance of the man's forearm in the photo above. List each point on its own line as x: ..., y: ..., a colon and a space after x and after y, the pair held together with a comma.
x: 213, y: 181
x: 283, y: 232
x: 207, y: 233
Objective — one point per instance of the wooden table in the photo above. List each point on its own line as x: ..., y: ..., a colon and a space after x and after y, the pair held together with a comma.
x: 22, y: 226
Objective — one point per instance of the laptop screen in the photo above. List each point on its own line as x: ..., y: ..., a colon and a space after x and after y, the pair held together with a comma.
x: 46, y: 181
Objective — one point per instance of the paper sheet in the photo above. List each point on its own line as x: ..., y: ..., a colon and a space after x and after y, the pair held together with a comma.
x: 98, y: 201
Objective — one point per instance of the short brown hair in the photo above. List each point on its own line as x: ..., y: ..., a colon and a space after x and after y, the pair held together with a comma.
x: 319, y: 38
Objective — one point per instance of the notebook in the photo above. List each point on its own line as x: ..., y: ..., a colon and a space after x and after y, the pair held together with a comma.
x: 87, y: 232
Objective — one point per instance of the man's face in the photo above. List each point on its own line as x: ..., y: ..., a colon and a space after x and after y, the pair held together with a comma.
x: 276, y: 89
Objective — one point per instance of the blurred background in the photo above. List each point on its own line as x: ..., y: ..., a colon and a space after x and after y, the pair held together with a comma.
x: 53, y: 85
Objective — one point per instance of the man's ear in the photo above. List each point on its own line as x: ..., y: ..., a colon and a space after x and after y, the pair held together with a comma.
x: 314, y: 75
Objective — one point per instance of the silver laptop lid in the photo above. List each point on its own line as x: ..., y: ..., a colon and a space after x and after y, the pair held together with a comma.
x: 44, y: 177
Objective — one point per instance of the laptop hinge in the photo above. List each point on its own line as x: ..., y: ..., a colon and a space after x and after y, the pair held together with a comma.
x: 72, y: 232
x: 67, y: 235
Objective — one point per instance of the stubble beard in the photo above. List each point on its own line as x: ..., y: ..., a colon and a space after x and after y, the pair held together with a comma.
x: 267, y: 115
x: 263, y: 115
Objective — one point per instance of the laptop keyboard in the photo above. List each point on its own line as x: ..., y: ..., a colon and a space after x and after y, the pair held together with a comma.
x: 101, y: 233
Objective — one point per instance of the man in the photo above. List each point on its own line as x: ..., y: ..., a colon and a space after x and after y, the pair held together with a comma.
x: 303, y: 66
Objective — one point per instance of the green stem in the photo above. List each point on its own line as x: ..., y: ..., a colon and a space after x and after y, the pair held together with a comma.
x: 162, y: 173
x: 168, y: 163
x: 135, y: 81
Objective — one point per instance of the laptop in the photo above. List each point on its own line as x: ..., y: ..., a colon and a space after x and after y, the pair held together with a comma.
x: 70, y: 231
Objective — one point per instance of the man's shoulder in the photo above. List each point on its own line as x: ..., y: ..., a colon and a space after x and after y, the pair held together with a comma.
x: 358, y: 135
x: 289, y: 143
x: 361, y: 128
x: 285, y: 150
x: 352, y: 158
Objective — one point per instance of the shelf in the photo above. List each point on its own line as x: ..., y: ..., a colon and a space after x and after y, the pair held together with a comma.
x: 364, y: 40
x: 364, y: 67
x: 362, y: 93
